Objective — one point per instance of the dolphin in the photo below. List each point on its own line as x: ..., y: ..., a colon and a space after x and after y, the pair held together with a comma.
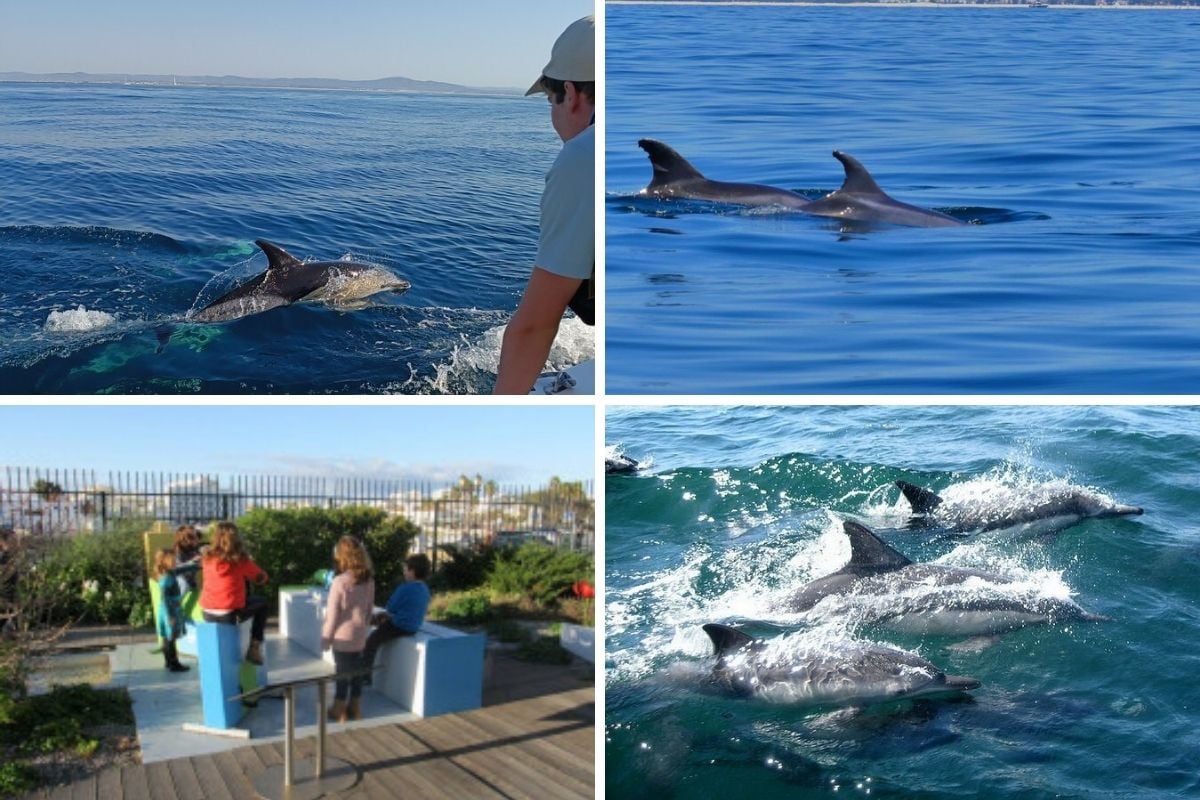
x: 849, y: 674
x: 1066, y: 508
x: 620, y: 465
x: 288, y: 280
x: 859, y: 199
x: 930, y: 598
x: 675, y: 177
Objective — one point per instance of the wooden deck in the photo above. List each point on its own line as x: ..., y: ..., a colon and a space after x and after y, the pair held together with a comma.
x: 534, y: 738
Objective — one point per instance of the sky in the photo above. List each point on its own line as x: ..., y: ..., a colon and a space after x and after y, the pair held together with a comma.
x: 522, y: 445
x: 485, y: 43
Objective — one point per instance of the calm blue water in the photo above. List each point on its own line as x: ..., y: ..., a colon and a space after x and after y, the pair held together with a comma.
x: 1069, y: 135
x: 741, y: 504
x: 122, y: 206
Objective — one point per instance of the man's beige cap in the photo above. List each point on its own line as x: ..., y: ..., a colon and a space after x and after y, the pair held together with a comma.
x: 573, y: 57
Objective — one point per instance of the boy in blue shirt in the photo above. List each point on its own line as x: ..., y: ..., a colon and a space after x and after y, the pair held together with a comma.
x: 405, y: 609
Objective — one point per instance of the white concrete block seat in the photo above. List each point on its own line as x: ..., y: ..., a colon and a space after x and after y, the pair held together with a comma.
x: 439, y: 670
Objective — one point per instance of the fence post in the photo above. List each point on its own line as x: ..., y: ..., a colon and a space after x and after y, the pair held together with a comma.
x: 437, y: 508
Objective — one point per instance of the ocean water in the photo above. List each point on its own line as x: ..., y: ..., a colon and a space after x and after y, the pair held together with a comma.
x: 125, y: 206
x: 1066, y: 136
x: 740, y: 505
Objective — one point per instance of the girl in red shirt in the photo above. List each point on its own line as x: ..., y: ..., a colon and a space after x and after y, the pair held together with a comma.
x: 223, y: 598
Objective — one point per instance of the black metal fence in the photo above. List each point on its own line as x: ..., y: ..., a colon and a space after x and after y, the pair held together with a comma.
x: 52, y: 502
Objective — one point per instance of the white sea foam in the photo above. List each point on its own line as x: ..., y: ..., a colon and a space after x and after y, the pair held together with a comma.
x: 78, y: 319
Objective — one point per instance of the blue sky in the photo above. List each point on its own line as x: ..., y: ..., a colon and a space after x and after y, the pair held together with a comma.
x: 494, y: 43
x: 508, y: 444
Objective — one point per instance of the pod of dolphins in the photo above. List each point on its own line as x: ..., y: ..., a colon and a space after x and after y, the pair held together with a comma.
x: 858, y: 200
x: 884, y: 587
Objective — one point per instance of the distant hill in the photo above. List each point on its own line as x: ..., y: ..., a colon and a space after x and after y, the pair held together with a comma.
x: 380, y: 85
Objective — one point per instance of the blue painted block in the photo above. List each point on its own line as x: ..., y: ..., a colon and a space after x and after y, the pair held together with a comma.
x: 454, y: 676
x: 220, y: 650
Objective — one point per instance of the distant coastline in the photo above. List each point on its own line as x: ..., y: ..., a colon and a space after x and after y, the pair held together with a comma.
x: 396, y: 84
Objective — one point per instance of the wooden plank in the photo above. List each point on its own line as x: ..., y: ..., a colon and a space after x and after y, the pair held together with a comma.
x: 108, y: 783
x: 158, y: 778
x: 504, y: 760
x: 233, y: 774
x: 133, y: 782
x: 183, y: 775
x: 271, y: 753
x: 248, y: 759
x: 566, y: 748
x: 551, y: 750
x: 84, y: 788
x: 211, y: 782
x: 381, y: 777
x: 62, y: 792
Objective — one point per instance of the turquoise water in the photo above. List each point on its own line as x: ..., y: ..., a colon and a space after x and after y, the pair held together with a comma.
x: 738, y: 506
x: 125, y: 206
x: 1068, y: 136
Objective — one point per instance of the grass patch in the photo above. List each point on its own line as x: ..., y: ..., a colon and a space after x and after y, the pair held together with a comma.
x: 58, y: 724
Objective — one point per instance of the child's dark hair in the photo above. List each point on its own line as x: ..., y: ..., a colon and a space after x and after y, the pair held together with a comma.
x: 164, y: 562
x: 419, y: 564
x: 558, y: 89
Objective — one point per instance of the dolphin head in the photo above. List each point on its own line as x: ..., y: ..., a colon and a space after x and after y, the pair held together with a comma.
x: 1088, y: 505
x: 350, y: 281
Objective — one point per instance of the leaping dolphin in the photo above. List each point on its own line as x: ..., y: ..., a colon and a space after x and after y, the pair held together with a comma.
x: 288, y: 280
x: 1068, y: 507
x: 851, y: 674
x: 930, y: 598
x: 859, y: 199
x: 620, y: 465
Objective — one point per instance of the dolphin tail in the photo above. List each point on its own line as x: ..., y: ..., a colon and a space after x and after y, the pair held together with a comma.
x: 923, y: 501
x: 669, y: 166
x: 868, y: 550
x: 727, y: 638
x: 961, y: 682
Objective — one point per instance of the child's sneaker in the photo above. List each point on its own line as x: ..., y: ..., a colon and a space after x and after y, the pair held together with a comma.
x: 177, y: 667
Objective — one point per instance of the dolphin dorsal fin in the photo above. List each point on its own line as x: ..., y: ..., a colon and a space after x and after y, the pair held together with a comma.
x: 923, y: 501
x: 858, y: 180
x: 727, y: 638
x: 868, y: 550
x: 669, y: 166
x: 276, y: 256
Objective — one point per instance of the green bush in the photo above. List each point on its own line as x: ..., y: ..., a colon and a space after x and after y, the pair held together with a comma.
x: 91, y: 577
x: 462, y: 567
x: 56, y: 721
x: 543, y: 650
x: 468, y: 609
x: 292, y: 544
x: 538, y: 572
x: 16, y: 778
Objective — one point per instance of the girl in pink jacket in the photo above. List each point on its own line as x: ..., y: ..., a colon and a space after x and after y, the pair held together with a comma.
x: 347, y: 622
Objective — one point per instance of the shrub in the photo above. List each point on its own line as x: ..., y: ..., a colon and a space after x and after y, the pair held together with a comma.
x: 16, y: 778
x: 462, y: 567
x: 95, y: 577
x: 292, y: 544
x: 469, y: 608
x: 543, y: 650
x: 538, y: 572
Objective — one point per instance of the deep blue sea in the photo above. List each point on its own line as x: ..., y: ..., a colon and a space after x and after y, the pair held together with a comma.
x: 122, y: 207
x: 740, y: 505
x: 1068, y: 136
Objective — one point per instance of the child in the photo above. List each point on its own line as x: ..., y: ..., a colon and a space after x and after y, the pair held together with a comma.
x: 347, y: 621
x: 223, y: 596
x: 405, y: 609
x: 187, y: 550
x: 170, y: 614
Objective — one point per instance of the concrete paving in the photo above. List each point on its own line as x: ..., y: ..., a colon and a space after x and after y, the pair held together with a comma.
x: 163, y: 701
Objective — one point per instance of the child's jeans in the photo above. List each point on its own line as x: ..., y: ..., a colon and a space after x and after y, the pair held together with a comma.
x: 348, y: 662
